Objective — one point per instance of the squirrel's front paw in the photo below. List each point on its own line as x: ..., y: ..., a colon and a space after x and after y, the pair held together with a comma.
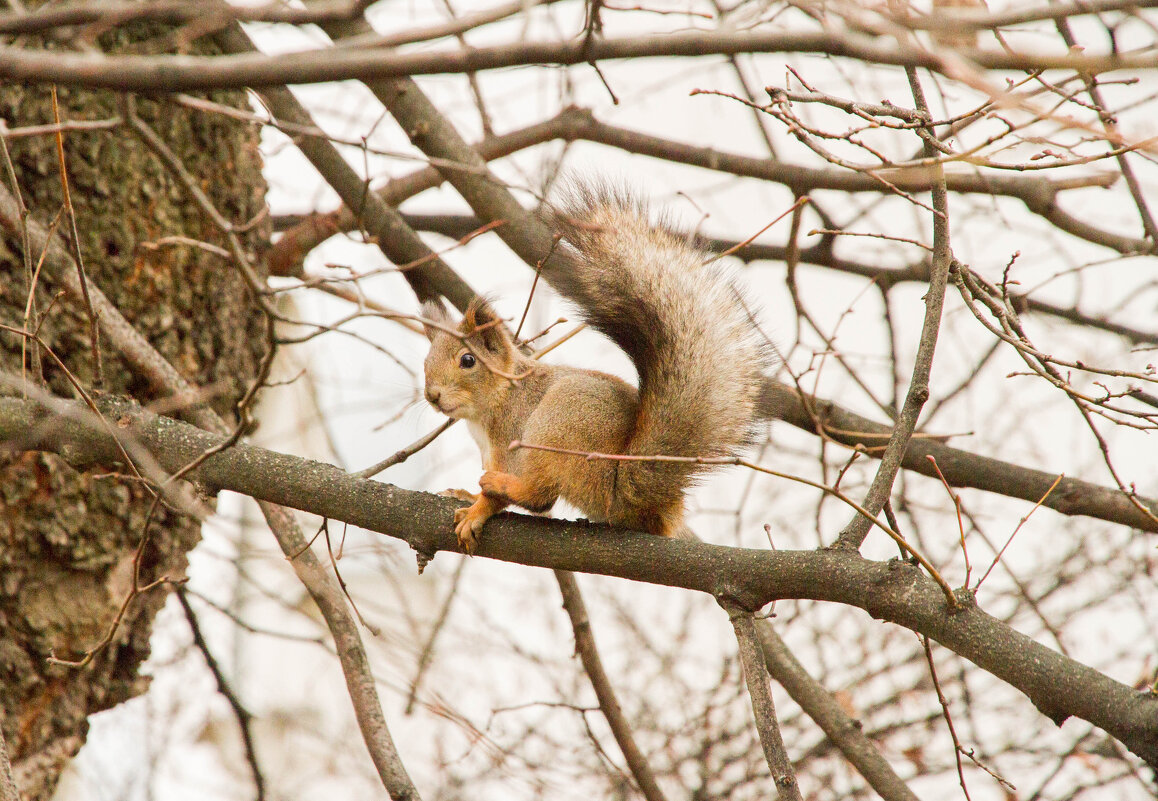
x: 460, y: 494
x: 468, y: 522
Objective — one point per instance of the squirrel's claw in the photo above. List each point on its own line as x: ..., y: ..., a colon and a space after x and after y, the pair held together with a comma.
x: 468, y: 522
x: 460, y: 494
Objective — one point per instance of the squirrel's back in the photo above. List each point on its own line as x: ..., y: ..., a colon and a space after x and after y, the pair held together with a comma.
x: 677, y: 315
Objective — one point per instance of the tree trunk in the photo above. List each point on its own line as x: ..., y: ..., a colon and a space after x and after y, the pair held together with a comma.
x: 68, y: 538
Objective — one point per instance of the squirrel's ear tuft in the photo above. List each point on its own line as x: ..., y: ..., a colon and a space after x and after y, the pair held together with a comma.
x: 481, y: 318
x: 434, y: 312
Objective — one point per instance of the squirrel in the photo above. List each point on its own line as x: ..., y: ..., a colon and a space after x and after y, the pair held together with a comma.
x: 699, y: 355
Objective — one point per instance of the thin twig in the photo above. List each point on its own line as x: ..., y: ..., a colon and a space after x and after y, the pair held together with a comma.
x: 855, y: 532
x: 1020, y: 523
x: 958, y: 749
x: 405, y: 453
x: 957, y: 508
x: 426, y: 656
x: 325, y: 529
x: 94, y: 335
x: 244, y: 718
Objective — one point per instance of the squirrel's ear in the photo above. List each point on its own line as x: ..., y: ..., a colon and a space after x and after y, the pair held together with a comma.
x: 482, y: 318
x: 435, y: 312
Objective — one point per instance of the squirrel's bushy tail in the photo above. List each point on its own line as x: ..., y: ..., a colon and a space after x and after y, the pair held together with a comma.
x: 698, y: 352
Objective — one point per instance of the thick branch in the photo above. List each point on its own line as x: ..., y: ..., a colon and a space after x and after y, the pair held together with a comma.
x: 1072, y: 496
x: 892, y: 591
x: 188, y: 73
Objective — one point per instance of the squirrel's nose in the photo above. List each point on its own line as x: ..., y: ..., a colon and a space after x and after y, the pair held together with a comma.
x: 432, y: 395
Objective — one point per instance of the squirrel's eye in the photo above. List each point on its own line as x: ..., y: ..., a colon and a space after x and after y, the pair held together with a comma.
x: 467, y: 361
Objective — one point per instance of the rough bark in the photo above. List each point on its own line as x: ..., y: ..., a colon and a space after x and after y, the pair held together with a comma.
x: 68, y: 537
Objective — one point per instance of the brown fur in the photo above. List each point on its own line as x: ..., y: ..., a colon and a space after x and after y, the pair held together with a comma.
x: 698, y: 354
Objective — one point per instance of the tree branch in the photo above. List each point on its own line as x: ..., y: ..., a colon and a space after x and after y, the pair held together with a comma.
x: 756, y: 677
x: 608, y: 703
x: 881, y: 488
x: 187, y: 73
x: 1072, y: 496
x: 894, y: 591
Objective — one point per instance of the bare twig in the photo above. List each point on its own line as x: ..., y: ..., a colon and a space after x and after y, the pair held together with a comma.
x: 324, y: 529
x: 405, y: 453
x: 426, y: 655
x: 854, y: 533
x: 70, y: 213
x: 30, y: 276
x: 958, y: 749
x: 1017, y: 528
x: 244, y: 718
x: 960, y: 524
